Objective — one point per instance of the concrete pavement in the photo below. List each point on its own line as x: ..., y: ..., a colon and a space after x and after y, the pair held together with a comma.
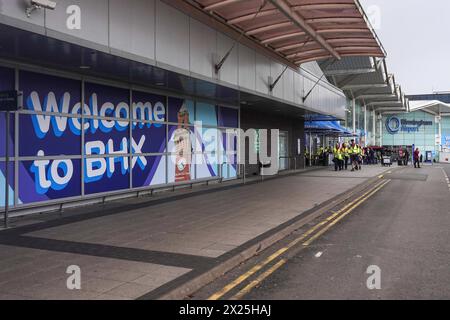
x: 152, y: 248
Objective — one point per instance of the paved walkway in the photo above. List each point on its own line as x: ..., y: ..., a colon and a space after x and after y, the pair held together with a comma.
x: 126, y: 253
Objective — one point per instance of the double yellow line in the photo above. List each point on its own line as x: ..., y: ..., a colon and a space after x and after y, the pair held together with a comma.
x: 326, y: 224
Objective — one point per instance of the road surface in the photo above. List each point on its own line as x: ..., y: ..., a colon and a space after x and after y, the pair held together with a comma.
x: 399, y: 237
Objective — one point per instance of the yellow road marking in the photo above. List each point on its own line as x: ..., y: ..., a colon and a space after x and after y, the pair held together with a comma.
x: 322, y: 231
x: 246, y: 275
x: 258, y: 280
x: 325, y: 221
x: 258, y: 267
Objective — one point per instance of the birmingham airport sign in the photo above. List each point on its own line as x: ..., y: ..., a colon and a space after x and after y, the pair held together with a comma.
x: 395, y: 125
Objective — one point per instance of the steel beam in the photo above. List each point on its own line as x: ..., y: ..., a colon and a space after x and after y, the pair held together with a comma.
x: 286, y: 9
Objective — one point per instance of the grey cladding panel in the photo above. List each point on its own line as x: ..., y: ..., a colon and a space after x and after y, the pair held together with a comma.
x: 16, y: 9
x: 247, y: 67
x: 132, y: 26
x: 229, y: 71
x: 203, y: 47
x: 94, y: 20
x: 172, y: 36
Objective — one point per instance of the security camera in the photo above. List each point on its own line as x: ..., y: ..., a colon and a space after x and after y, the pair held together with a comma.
x: 40, y: 4
x: 46, y: 4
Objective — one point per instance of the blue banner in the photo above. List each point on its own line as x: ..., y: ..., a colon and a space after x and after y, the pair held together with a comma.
x: 43, y: 180
x: 119, y: 140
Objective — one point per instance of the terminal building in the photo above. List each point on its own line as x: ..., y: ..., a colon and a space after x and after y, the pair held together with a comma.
x: 105, y: 85
x: 426, y: 126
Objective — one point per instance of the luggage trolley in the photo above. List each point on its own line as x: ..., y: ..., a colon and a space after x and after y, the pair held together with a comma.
x: 387, y: 161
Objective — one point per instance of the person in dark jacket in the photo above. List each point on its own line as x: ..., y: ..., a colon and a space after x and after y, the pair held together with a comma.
x: 406, y: 157
x: 417, y: 158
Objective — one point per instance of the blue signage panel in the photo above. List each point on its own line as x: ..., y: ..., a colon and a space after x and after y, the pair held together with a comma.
x: 44, y: 180
x: 445, y: 141
x: 395, y: 125
x: 119, y: 140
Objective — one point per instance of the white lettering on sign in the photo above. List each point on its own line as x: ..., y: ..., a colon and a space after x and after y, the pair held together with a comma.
x: 141, y: 111
x: 73, y: 22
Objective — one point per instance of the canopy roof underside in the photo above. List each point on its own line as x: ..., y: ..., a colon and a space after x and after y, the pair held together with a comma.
x: 432, y: 106
x: 367, y: 79
x: 300, y: 30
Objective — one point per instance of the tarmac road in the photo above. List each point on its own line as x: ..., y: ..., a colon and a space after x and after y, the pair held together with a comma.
x: 402, y: 231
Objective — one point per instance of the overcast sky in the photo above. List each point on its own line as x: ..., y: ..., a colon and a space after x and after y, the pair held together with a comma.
x: 416, y: 36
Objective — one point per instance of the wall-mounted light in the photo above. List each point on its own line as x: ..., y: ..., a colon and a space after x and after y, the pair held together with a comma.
x: 40, y: 4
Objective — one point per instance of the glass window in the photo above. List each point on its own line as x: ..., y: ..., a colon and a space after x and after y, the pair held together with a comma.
x: 45, y: 180
x: 181, y: 111
x: 207, y: 114
x: 104, y: 174
x: 149, y: 107
x: 149, y: 170
x: 10, y: 135
x: 106, y: 101
x: 63, y: 141
x: 228, y: 117
x: 11, y: 186
x: 44, y: 93
x: 149, y: 138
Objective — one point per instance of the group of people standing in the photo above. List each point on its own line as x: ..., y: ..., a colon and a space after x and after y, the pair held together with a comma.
x: 404, y: 157
x: 354, y: 153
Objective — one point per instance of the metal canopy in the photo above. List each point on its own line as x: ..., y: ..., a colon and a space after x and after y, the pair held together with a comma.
x: 389, y: 102
x: 300, y: 30
x: 378, y: 78
x: 435, y: 107
x: 368, y: 80
x: 348, y: 66
x: 382, y: 91
x: 396, y: 102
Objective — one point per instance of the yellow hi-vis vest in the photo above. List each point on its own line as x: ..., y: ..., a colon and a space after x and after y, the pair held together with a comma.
x: 345, y: 152
x: 337, y: 153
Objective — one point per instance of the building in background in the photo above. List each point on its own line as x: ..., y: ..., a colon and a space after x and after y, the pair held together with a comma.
x: 370, y: 90
x: 426, y: 126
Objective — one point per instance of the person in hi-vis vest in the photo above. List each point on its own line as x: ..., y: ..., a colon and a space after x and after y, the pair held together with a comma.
x: 338, y: 158
x: 354, y: 154
x: 346, y: 154
x: 183, y: 147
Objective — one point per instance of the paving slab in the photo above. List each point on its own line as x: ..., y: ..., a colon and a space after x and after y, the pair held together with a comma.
x: 42, y: 280
x: 237, y: 215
